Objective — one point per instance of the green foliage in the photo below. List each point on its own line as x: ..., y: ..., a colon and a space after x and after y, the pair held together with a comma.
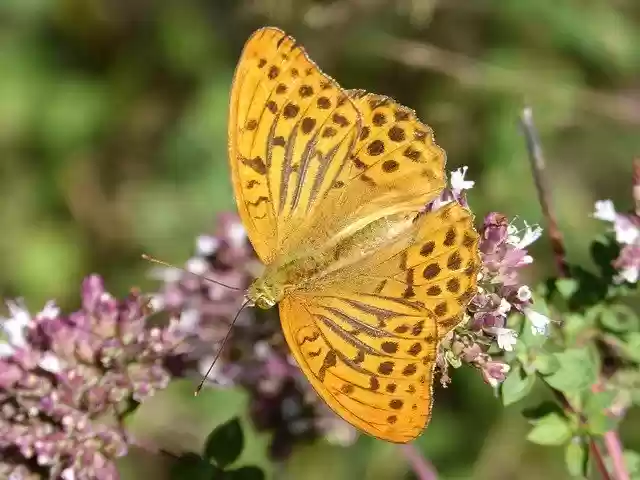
x: 577, y: 371
x: 576, y: 457
x: 224, y: 445
x: 552, y: 429
x: 595, y: 324
x: 516, y: 386
x: 222, y: 448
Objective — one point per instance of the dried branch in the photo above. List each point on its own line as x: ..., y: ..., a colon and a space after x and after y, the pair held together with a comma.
x: 544, y: 196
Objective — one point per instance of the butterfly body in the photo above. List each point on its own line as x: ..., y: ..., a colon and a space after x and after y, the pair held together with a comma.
x: 331, y: 186
x: 316, y: 268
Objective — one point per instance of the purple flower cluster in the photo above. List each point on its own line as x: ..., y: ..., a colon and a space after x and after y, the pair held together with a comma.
x: 503, y: 249
x: 67, y: 380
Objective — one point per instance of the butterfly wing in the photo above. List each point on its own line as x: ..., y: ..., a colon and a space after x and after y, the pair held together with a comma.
x: 394, y: 167
x: 291, y: 129
x: 377, y: 380
x: 396, y: 157
x: 367, y: 339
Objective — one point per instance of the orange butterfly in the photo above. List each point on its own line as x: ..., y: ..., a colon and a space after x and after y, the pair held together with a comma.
x: 330, y: 184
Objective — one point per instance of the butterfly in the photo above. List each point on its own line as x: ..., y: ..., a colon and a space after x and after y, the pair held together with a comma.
x: 331, y: 186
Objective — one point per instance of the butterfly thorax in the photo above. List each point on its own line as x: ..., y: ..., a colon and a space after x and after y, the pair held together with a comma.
x: 307, y: 269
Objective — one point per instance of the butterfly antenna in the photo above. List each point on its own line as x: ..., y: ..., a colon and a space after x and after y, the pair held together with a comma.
x: 224, y: 341
x: 165, y: 264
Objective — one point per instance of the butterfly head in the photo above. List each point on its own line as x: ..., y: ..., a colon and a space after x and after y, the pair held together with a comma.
x: 264, y: 293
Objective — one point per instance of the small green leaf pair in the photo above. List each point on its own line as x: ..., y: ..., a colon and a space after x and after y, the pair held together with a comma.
x: 222, y: 448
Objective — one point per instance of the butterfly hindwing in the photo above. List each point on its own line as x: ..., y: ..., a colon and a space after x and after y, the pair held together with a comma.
x: 291, y: 129
x: 367, y: 338
x: 438, y: 269
x: 369, y: 358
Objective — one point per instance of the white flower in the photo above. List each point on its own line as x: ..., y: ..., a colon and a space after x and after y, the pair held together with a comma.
x: 505, y: 337
x: 19, y: 312
x: 262, y: 350
x: 6, y: 350
x: 106, y: 297
x: 50, y: 363
x: 604, y: 210
x: 628, y: 274
x: 524, y: 293
x: 539, y: 322
x: 50, y: 310
x: 189, y: 318
x: 206, y: 245
x: 237, y: 234
x: 457, y: 181
x: 519, y: 240
x: 627, y: 232
x: 68, y: 474
x: 526, y: 260
x: 13, y: 327
x: 197, y: 265
x: 504, y: 307
x: 156, y: 302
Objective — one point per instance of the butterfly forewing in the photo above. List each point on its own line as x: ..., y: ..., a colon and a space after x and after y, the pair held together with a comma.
x: 395, y: 153
x: 291, y: 130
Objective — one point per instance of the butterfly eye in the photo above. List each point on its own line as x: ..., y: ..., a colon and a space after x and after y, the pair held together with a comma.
x: 264, y: 302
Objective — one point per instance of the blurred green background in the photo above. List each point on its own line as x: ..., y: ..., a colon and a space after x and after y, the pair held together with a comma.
x: 113, y: 142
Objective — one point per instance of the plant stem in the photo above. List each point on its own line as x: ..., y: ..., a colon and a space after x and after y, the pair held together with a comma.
x: 423, y: 469
x: 614, y: 447
x: 537, y: 168
x: 536, y: 158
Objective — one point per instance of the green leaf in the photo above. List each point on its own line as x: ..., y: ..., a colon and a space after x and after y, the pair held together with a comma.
x: 545, y: 363
x: 595, y: 409
x: 224, y: 445
x: 578, y: 371
x: 566, y: 287
x: 245, y: 473
x: 576, y: 457
x: 601, y: 423
x: 192, y: 466
x: 516, y: 386
x: 552, y: 429
x: 632, y: 461
x: 618, y: 318
x: 632, y: 346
